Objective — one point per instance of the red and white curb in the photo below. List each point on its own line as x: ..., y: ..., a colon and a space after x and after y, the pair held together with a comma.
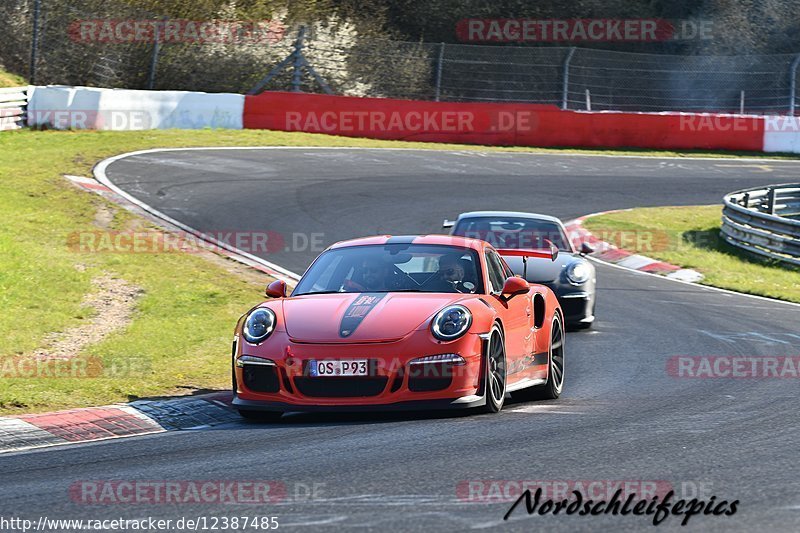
x: 114, y: 421
x: 608, y: 253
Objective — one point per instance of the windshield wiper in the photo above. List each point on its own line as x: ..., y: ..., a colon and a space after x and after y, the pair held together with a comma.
x: 403, y: 290
x: 319, y: 292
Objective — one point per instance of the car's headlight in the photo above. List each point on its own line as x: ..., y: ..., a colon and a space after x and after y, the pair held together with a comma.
x: 579, y: 272
x: 259, y: 325
x: 451, y: 322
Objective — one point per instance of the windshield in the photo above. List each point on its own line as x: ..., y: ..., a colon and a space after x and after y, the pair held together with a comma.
x: 513, y: 232
x: 393, y: 268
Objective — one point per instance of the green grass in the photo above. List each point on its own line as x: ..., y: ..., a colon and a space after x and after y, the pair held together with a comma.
x: 689, y: 237
x: 8, y: 79
x: 181, y: 330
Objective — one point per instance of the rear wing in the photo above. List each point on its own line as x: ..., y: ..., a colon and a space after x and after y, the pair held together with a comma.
x: 551, y: 252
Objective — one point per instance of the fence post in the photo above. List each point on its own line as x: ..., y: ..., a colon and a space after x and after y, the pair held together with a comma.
x: 439, y: 71
x: 565, y: 83
x: 771, y: 200
x: 741, y: 102
x: 34, y: 42
x: 151, y: 74
x: 792, y: 82
x: 588, y: 100
x: 297, y: 66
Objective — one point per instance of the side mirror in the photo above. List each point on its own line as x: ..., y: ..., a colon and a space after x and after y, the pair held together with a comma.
x: 586, y: 248
x: 513, y: 286
x: 276, y: 289
x: 448, y: 223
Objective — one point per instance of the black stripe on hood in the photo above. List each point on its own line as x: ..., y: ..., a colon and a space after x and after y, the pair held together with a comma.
x: 357, y: 311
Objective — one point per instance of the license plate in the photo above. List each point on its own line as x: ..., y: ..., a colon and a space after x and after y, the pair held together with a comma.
x: 330, y: 367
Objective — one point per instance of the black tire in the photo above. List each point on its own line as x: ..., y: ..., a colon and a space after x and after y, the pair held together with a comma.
x: 555, y: 376
x: 495, y: 372
x: 260, y: 416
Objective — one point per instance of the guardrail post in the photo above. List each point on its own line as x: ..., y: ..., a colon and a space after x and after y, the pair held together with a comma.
x: 297, y: 72
x: 439, y: 71
x: 771, y: 200
x: 565, y: 83
x: 793, y: 83
x: 34, y: 42
x: 151, y: 74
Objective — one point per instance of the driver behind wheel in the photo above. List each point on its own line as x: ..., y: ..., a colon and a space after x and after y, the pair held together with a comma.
x: 450, y: 276
x: 370, y: 275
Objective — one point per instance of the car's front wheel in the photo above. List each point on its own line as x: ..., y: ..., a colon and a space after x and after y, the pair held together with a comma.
x: 495, y: 382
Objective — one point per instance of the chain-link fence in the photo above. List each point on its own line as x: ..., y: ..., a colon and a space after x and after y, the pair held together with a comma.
x: 89, y: 44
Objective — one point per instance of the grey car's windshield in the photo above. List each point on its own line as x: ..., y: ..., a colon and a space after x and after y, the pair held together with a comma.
x: 393, y: 268
x: 513, y: 232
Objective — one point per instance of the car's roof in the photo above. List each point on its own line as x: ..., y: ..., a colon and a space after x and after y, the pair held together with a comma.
x: 442, y: 240
x: 516, y: 214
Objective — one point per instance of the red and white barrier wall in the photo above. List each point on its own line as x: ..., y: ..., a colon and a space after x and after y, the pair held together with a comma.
x: 496, y: 124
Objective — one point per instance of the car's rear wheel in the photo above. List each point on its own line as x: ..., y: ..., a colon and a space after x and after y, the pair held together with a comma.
x: 555, y: 374
x: 495, y: 384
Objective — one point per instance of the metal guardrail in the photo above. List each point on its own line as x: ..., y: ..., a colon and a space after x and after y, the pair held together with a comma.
x: 764, y: 221
x: 13, y: 108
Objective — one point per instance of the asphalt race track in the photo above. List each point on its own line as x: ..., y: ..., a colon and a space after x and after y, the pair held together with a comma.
x: 621, y: 417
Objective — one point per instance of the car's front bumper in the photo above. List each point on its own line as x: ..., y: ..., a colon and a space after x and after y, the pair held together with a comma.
x: 465, y: 402
x: 393, y: 383
x: 578, y: 307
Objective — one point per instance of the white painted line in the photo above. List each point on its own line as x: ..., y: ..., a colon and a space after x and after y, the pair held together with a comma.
x: 686, y: 274
x: 100, y: 173
x: 464, y: 151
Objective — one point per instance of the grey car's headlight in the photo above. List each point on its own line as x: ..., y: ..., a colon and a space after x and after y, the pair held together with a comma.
x: 259, y: 325
x: 451, y: 322
x: 579, y: 272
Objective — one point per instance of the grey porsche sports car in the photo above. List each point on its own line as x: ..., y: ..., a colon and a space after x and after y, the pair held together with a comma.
x: 571, y: 276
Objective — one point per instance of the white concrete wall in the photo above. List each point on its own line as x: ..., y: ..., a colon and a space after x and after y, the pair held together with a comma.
x: 782, y: 134
x: 62, y: 107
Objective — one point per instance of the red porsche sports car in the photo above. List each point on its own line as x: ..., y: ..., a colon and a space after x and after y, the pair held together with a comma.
x: 417, y: 322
